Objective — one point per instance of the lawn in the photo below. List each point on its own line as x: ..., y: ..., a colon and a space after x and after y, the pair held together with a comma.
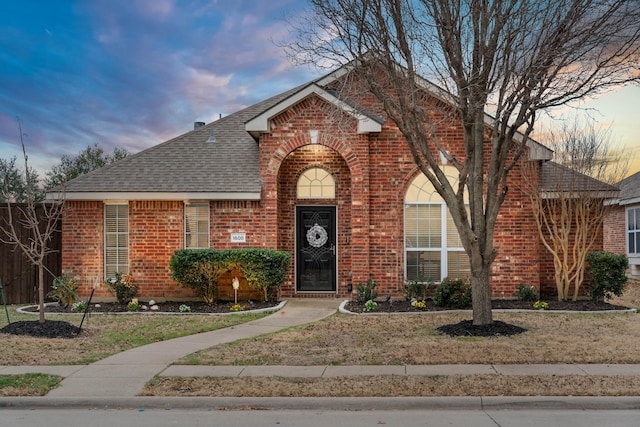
x: 347, y: 339
x: 411, y: 339
x: 103, y: 336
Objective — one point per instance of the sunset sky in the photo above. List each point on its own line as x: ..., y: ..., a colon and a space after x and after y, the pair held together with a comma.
x: 133, y: 73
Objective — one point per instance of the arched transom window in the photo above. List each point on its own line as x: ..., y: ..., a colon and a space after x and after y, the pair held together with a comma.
x: 316, y: 183
x: 433, y: 249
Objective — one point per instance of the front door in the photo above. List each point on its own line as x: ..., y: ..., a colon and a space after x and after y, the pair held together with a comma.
x: 316, y: 248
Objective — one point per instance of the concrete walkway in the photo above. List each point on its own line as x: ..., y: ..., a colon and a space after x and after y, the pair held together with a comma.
x: 125, y: 374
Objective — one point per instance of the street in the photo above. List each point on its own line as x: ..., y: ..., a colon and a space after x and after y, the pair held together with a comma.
x: 316, y: 418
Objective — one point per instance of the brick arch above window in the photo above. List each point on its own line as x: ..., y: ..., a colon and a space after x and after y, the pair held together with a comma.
x: 347, y: 153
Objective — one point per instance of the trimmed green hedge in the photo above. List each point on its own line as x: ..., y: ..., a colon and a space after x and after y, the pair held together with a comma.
x: 608, y: 274
x: 200, y: 269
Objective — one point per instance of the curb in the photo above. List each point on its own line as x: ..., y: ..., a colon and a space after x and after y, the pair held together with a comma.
x: 343, y: 403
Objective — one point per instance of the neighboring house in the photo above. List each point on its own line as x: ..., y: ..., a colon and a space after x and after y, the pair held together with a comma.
x: 622, y: 225
x: 306, y: 171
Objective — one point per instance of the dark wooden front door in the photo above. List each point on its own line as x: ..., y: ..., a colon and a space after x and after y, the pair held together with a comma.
x: 316, y: 248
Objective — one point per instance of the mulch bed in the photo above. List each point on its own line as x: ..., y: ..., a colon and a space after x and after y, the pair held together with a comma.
x: 406, y: 307
x: 497, y: 328
x: 61, y: 329
x: 48, y: 329
x: 163, y: 307
x: 466, y: 328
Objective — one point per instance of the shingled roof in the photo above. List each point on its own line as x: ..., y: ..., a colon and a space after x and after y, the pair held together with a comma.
x: 630, y: 189
x: 188, y: 165
x: 556, y: 178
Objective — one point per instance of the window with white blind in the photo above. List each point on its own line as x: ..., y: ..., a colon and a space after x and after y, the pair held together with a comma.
x: 116, y: 239
x: 633, y: 231
x: 433, y: 250
x: 316, y: 183
x: 196, y: 225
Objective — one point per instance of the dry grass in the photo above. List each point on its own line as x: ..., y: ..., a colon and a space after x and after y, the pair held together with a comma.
x: 380, y: 386
x: 410, y: 339
x: 102, y: 336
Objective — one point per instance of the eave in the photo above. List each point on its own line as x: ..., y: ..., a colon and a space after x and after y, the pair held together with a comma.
x: 147, y: 195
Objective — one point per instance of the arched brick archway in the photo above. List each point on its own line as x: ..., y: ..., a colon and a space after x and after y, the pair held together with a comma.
x: 348, y: 167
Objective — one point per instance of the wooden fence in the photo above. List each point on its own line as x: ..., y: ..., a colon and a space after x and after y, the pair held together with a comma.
x: 19, y: 277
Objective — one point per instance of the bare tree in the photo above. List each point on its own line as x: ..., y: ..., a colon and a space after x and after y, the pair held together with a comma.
x: 570, y: 202
x: 39, y: 220
x: 510, y: 58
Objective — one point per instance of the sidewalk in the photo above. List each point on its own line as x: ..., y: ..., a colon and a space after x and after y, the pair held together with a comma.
x: 124, y: 375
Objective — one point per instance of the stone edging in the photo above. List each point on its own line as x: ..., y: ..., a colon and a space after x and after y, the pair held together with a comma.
x: 22, y: 310
x: 343, y: 310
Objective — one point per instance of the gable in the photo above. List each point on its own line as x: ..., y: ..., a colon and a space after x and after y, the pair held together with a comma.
x: 367, y: 123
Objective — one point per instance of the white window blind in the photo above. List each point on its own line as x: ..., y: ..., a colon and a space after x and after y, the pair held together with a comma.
x: 196, y: 225
x: 633, y: 234
x: 433, y: 250
x: 116, y: 239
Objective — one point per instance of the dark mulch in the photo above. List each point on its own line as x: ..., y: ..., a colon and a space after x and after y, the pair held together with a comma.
x: 48, y: 329
x: 405, y: 306
x: 60, y: 329
x: 163, y: 307
x: 466, y: 328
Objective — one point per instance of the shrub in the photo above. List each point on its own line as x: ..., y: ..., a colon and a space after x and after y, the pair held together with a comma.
x: 133, y: 305
x: 370, y: 305
x: 416, y: 289
x: 64, y: 290
x: 123, y: 287
x: 79, y: 306
x: 366, y: 291
x: 200, y: 269
x: 453, y: 293
x: 607, y: 274
x: 527, y: 293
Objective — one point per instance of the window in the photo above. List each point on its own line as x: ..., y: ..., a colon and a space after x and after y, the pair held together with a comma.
x: 196, y: 225
x: 633, y: 231
x: 433, y: 249
x: 116, y: 239
x: 316, y: 183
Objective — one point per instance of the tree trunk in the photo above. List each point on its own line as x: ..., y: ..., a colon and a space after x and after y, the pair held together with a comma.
x: 481, y: 297
x: 41, y: 292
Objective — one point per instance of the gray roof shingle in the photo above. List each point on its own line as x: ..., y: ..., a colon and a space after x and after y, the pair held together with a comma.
x: 630, y: 188
x: 556, y: 178
x: 188, y: 163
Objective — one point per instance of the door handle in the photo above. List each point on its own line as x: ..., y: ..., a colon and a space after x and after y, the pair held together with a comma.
x: 333, y: 249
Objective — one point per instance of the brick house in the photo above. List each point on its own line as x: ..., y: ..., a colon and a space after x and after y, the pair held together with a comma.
x: 622, y: 224
x: 346, y: 200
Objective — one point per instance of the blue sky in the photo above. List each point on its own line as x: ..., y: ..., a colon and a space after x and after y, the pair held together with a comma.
x: 133, y: 73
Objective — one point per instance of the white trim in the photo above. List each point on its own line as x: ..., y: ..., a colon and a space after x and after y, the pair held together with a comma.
x: 151, y: 195
x: 260, y: 123
x: 627, y: 232
x: 196, y: 233
x: 630, y: 201
x: 606, y: 195
x: 105, y: 232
